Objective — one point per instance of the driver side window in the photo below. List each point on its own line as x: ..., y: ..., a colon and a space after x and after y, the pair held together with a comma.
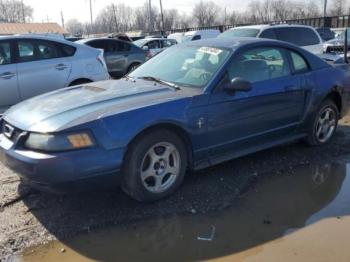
x: 260, y: 64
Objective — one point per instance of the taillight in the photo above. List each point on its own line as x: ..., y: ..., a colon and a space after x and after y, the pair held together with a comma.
x: 102, y: 61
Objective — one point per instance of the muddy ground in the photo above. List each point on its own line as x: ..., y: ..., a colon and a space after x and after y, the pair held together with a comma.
x: 29, y: 218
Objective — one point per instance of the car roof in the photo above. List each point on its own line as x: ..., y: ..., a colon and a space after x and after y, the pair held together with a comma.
x: 264, y: 26
x: 232, y: 43
x: 39, y: 37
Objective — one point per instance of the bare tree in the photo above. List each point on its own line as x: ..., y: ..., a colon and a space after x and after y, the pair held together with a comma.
x: 205, y: 13
x: 12, y: 11
x: 338, y: 7
x: 74, y: 27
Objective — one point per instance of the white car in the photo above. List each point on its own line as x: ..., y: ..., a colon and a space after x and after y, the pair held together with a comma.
x: 154, y: 45
x: 31, y: 65
x: 201, y: 34
x: 300, y: 35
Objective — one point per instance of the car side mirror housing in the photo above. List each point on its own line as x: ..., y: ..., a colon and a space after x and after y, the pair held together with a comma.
x: 145, y: 48
x: 238, y: 84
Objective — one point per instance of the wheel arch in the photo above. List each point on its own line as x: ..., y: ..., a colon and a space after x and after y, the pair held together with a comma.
x: 335, y: 96
x: 172, y: 127
x: 79, y: 81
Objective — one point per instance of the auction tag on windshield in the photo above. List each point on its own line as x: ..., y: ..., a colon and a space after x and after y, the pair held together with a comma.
x: 210, y: 50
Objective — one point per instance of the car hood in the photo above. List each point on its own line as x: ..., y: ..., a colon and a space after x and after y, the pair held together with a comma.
x: 68, y: 107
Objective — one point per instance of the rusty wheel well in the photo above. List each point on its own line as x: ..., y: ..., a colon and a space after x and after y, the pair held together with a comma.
x: 183, y: 135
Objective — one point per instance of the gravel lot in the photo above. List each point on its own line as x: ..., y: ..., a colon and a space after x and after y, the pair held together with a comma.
x: 29, y: 217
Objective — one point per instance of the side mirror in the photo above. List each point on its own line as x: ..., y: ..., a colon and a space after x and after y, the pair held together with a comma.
x: 238, y: 84
x: 145, y: 48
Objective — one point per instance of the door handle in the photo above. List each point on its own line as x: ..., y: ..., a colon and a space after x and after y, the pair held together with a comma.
x: 61, y: 67
x: 7, y: 75
x: 291, y: 88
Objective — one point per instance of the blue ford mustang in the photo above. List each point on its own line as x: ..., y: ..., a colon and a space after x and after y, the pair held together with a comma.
x: 192, y: 106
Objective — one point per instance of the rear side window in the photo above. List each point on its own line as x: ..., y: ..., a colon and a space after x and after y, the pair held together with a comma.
x: 100, y: 44
x: 67, y: 50
x: 116, y: 46
x: 299, y: 63
x: 300, y: 36
x: 5, y: 53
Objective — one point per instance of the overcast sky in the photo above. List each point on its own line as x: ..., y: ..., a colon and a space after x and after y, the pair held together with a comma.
x: 79, y: 9
x: 48, y: 9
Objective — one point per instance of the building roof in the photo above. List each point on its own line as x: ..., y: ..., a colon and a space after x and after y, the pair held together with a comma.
x: 38, y: 28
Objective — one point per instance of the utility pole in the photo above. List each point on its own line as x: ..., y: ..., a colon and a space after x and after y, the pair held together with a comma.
x: 115, y: 18
x: 162, y: 16
x: 325, y: 9
x: 225, y: 16
x: 62, y: 19
x: 90, y: 12
x: 150, y: 29
x: 23, y: 15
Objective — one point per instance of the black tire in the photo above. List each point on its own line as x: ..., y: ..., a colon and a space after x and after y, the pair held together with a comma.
x: 132, y: 183
x: 312, y: 138
x: 132, y: 67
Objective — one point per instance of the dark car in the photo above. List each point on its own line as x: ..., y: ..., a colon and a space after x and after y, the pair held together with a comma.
x: 121, y: 57
x: 325, y: 33
x: 192, y: 106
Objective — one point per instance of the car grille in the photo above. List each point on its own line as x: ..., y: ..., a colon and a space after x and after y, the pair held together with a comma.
x: 336, y: 49
x: 10, y: 131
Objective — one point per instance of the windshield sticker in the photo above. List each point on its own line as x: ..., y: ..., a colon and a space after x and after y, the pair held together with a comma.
x: 210, y: 50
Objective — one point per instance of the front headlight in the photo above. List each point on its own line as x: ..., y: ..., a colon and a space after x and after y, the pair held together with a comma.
x: 58, y: 142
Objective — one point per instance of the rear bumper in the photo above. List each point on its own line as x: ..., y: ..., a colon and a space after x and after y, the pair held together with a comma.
x: 65, y: 171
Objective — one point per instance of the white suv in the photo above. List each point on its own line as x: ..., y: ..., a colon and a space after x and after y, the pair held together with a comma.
x: 32, y: 65
x: 301, y: 35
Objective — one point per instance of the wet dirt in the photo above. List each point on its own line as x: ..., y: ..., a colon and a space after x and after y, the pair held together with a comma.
x: 239, y: 205
x: 305, y: 216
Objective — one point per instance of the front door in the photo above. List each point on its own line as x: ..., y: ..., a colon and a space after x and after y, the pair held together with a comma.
x: 241, y: 121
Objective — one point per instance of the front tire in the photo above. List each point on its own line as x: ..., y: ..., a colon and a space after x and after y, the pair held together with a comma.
x: 324, y: 124
x: 154, y: 166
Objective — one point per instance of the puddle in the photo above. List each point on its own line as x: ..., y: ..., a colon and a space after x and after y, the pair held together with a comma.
x: 278, y: 210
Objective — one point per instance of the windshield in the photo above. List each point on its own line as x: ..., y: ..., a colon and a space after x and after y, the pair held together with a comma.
x: 191, y: 66
x: 240, y: 32
x: 342, y: 35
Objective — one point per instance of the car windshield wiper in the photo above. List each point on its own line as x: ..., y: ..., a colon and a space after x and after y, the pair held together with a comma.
x: 158, y: 80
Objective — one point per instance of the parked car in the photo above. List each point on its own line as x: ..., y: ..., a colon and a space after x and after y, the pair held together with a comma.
x: 217, y: 100
x: 121, y: 57
x: 337, y: 45
x: 154, y: 45
x: 325, y: 33
x: 178, y: 37
x: 73, y: 38
x: 200, y: 34
x: 300, y: 35
x: 32, y: 65
x: 120, y: 36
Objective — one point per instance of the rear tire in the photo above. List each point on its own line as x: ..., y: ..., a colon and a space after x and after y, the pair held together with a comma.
x: 154, y: 166
x: 132, y: 67
x: 324, y: 124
